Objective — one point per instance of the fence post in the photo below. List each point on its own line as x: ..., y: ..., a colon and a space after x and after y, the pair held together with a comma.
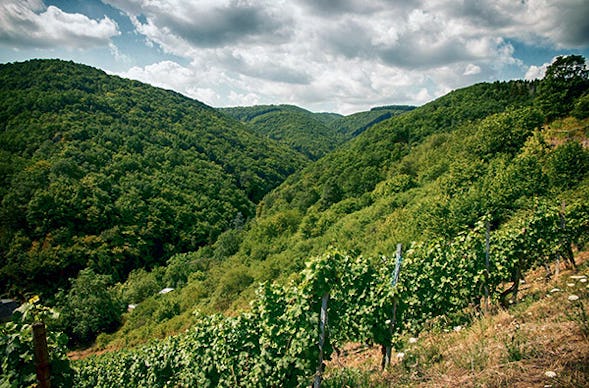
x: 322, y: 333
x: 42, y: 364
x: 386, y: 361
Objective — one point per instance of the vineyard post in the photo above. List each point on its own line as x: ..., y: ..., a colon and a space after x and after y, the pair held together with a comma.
x: 487, y: 265
x: 562, y: 226
x: 42, y: 364
x: 389, y: 348
x: 322, y: 333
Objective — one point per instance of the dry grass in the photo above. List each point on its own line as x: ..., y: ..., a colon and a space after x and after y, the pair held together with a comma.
x: 569, y: 128
x: 506, y: 348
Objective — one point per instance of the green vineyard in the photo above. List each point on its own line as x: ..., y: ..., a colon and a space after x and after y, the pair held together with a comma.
x: 276, y: 343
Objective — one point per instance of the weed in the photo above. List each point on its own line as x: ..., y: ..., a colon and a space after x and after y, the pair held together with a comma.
x: 578, y: 314
x: 514, y: 345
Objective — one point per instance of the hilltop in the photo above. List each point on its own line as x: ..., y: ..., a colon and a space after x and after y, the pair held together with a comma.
x: 312, y: 134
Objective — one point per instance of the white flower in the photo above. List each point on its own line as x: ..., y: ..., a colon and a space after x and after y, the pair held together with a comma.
x: 550, y: 374
x: 573, y: 298
x: 412, y: 340
x: 457, y: 328
x: 400, y: 356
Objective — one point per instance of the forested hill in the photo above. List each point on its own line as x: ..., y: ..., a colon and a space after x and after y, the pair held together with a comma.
x: 353, y: 125
x: 303, y: 131
x: 103, y: 172
x: 312, y: 134
x: 488, y: 150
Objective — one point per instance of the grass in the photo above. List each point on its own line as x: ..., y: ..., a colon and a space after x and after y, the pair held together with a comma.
x: 515, y: 347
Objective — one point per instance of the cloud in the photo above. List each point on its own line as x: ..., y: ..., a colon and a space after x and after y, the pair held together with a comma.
x: 536, y: 72
x: 206, y: 24
x: 331, y: 8
x: 31, y: 24
x: 342, y: 55
x: 560, y: 23
x: 165, y: 74
x: 117, y: 54
x: 574, y: 31
x: 472, y: 69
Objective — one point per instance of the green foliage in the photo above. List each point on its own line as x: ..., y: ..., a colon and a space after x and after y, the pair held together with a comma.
x: 17, y: 368
x: 141, y: 284
x: 566, y: 79
x: 89, y: 307
x: 397, y: 183
x: 160, y: 179
x: 275, y: 344
x: 581, y: 109
x: 378, y: 190
x: 567, y: 165
x: 111, y: 174
x: 354, y: 124
x: 301, y: 130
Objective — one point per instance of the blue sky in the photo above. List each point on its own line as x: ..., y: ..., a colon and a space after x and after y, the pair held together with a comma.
x: 324, y: 55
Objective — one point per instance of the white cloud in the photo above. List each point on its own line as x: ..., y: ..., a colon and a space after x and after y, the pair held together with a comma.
x: 327, y: 54
x: 342, y: 55
x: 537, y: 72
x: 30, y: 23
x: 472, y: 69
x: 117, y: 54
x: 166, y: 74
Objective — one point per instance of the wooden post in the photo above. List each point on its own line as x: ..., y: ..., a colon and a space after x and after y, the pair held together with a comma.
x: 42, y: 364
x: 386, y: 361
x: 322, y: 334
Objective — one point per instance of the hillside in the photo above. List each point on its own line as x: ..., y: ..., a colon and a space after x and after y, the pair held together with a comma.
x: 299, y: 129
x: 312, y: 134
x: 353, y: 125
x: 426, y: 176
x: 541, y: 341
x: 416, y: 224
x: 387, y: 185
x: 111, y: 174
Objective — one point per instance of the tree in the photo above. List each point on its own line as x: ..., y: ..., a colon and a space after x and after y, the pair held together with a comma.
x: 90, y: 307
x: 566, y: 79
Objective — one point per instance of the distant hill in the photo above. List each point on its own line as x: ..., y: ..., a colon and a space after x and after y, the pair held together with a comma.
x: 103, y: 172
x: 354, y: 124
x: 312, y: 134
x: 303, y: 131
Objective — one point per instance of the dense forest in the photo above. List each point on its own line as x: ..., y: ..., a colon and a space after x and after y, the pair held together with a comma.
x: 313, y: 134
x: 105, y: 173
x: 258, y: 212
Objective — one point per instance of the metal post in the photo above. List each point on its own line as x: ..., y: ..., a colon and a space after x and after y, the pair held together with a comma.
x: 487, y: 265
x: 389, y: 349
x: 322, y: 332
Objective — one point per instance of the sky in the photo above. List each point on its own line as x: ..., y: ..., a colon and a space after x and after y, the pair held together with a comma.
x: 339, y: 56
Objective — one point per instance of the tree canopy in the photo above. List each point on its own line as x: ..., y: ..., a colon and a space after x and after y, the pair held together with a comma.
x: 566, y: 79
x: 112, y: 174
